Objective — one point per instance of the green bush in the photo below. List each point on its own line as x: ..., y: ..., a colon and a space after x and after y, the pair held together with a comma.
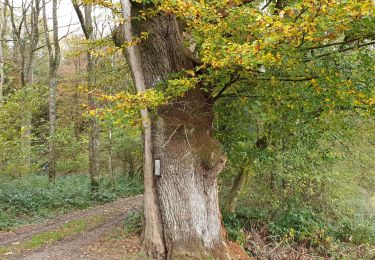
x: 295, y: 224
x: 243, y: 218
x: 133, y: 222
x: 300, y: 225
x: 71, y: 150
x: 359, y: 232
x: 233, y: 226
x: 31, y: 198
x: 5, y: 220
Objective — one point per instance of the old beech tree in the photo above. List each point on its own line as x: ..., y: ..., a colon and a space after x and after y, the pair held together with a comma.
x: 239, y: 41
x: 182, y: 217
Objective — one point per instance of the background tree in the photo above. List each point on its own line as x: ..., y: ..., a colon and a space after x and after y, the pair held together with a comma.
x: 87, y: 28
x: 54, y: 61
x: 3, y: 27
x: 25, y: 33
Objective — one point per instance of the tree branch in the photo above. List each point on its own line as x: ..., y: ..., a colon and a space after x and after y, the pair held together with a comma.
x: 81, y: 20
x: 341, y: 50
x: 226, y: 86
x: 341, y: 43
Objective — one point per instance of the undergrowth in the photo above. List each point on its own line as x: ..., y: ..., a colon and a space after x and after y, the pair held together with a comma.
x: 300, y: 228
x: 31, y: 198
x: 133, y: 222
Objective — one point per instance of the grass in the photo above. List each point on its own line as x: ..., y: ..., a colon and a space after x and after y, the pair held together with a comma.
x: 71, y: 228
x: 3, y: 250
x: 66, y: 230
x: 31, y: 198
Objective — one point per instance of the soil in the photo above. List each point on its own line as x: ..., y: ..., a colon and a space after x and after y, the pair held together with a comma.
x: 106, y: 241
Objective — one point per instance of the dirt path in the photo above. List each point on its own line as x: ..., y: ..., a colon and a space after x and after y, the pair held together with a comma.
x: 106, y: 240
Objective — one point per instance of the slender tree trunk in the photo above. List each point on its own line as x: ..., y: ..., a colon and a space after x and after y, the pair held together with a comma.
x: 3, y: 23
x: 93, y: 148
x: 25, y: 56
x: 152, y: 234
x: 54, y: 65
x: 76, y: 100
x: 29, y: 79
x: 52, y: 131
x: 94, y: 129
x: 132, y: 170
x: 238, y: 185
x: 182, y: 216
x: 54, y: 62
x: 1, y: 74
x: 110, y: 159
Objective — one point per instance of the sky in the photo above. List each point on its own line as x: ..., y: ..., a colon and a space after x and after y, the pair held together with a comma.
x: 67, y: 16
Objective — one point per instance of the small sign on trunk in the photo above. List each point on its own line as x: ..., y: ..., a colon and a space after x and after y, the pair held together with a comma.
x: 157, y: 167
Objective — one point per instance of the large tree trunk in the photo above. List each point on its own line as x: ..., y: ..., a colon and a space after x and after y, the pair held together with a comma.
x: 181, y: 205
x: 187, y: 188
x: 152, y: 234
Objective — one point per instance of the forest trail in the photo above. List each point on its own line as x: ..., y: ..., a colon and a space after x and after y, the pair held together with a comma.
x: 94, y: 233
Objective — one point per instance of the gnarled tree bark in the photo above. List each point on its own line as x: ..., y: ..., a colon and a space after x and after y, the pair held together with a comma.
x: 182, y: 216
x: 152, y: 233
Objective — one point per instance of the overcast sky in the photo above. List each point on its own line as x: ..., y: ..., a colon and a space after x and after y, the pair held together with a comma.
x: 67, y: 16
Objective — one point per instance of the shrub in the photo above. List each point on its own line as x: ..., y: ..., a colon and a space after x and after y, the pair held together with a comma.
x: 31, y: 198
x: 361, y: 231
x: 300, y: 225
x: 295, y: 224
x: 243, y: 218
x: 133, y: 222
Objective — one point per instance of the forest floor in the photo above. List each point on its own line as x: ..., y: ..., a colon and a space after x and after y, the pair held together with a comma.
x: 94, y: 233
x: 99, y: 233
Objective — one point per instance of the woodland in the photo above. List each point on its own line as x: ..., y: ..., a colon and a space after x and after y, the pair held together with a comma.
x: 247, y: 125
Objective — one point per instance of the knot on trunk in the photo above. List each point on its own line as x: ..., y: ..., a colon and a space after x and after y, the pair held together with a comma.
x: 211, y: 157
x: 118, y: 36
